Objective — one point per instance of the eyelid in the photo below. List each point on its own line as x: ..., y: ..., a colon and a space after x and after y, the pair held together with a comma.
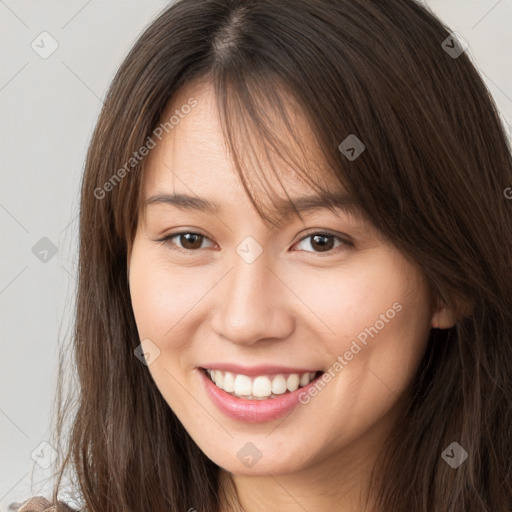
x: 345, y: 239
x: 165, y: 239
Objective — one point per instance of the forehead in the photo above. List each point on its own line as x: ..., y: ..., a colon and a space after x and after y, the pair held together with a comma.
x: 193, y: 165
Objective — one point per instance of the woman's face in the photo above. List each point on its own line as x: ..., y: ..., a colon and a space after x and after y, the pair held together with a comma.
x: 263, y: 307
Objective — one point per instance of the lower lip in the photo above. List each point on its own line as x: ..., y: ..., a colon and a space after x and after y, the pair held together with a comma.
x: 252, y: 411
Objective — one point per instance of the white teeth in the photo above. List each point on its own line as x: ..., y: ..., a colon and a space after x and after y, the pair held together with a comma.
x: 304, y: 380
x: 243, y: 385
x: 218, y: 378
x: 279, y: 385
x: 259, y: 387
x: 229, y: 382
x: 293, y: 381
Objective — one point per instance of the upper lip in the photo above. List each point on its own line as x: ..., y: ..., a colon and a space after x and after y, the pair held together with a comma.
x: 252, y: 371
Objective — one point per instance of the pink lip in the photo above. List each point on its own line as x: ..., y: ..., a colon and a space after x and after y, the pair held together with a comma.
x: 252, y: 411
x: 254, y: 371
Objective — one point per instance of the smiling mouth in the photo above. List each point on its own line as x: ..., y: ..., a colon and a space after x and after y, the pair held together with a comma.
x: 261, y: 387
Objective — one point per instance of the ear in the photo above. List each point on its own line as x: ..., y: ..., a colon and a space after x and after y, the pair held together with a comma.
x: 445, y: 317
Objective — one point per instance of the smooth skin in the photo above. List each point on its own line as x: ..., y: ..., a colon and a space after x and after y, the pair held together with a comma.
x: 296, y: 305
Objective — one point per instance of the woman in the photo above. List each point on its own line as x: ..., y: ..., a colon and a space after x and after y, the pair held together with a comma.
x: 295, y: 284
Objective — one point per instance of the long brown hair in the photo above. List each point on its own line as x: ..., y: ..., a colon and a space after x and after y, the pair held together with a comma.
x: 431, y: 179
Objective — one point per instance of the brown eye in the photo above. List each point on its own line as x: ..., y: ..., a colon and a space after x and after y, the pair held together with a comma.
x: 324, y: 242
x: 187, y: 241
x: 191, y: 240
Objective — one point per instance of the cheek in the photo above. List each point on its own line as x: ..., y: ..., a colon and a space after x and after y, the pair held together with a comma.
x: 378, y: 320
x: 342, y: 302
x: 162, y: 295
x: 164, y: 300
x: 375, y: 315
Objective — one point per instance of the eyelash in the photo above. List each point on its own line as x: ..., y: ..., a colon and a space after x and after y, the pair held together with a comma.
x: 346, y: 244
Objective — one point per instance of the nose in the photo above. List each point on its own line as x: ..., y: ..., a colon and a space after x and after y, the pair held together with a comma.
x: 253, y: 304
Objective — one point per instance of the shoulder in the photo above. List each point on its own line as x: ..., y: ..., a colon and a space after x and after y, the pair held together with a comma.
x: 39, y: 504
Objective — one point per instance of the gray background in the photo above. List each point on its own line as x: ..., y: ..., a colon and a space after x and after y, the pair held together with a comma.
x: 48, y: 110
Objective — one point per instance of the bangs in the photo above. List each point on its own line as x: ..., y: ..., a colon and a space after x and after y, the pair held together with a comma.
x: 267, y: 129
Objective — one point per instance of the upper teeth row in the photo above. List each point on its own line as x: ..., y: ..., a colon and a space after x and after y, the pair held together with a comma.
x: 261, y: 386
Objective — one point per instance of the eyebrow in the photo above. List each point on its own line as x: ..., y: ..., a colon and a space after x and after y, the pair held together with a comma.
x: 338, y: 200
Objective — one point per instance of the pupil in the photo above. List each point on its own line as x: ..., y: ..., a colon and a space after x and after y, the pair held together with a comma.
x: 323, y: 245
x: 190, y: 238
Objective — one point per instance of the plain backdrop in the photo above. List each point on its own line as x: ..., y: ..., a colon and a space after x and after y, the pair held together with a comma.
x: 48, y: 110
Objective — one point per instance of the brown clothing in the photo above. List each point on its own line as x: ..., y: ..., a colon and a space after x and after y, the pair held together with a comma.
x: 39, y: 504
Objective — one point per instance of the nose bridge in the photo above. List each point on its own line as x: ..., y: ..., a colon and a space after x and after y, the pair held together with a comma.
x: 252, y: 304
